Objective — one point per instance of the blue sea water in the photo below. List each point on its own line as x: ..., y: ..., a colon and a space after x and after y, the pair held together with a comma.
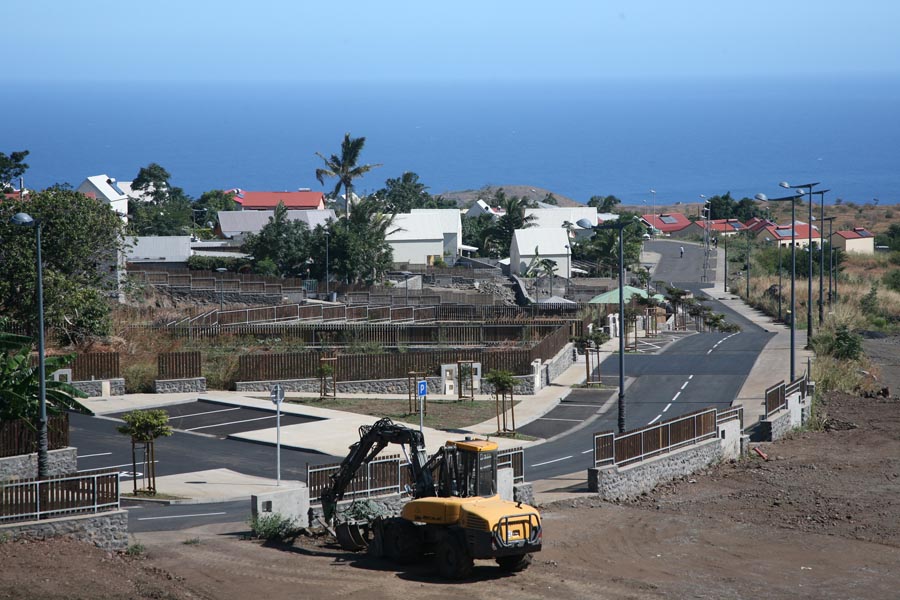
x: 577, y: 139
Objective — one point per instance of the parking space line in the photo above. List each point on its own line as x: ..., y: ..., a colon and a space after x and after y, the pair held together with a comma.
x: 93, y: 455
x: 231, y: 423
x: 205, y: 413
x: 552, y: 419
x: 551, y: 461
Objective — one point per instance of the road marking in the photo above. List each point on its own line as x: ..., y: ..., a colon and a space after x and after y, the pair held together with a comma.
x: 588, y: 451
x: 709, y: 351
x: 580, y: 405
x: 182, y: 516
x: 668, y: 406
x: 231, y: 423
x: 93, y: 455
x: 552, y: 419
x: 657, y: 418
x: 551, y: 461
x: 205, y: 413
x: 690, y: 377
x: 685, y: 384
x: 676, y: 397
x: 140, y: 462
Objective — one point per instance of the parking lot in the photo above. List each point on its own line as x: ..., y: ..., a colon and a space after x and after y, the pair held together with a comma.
x: 222, y: 420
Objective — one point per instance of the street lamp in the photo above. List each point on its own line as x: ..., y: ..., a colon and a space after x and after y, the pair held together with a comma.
x: 620, y: 225
x: 792, y: 200
x: 327, y: 239
x: 830, y: 256
x: 221, y: 289
x: 25, y: 220
x: 821, y: 252
x: 749, y: 239
x: 568, y: 269
x: 806, y: 188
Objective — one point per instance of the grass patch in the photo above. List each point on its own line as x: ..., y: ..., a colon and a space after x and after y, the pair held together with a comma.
x: 192, y: 542
x: 440, y: 414
x: 135, y: 550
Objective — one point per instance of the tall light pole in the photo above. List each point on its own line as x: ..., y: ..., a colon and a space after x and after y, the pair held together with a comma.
x: 221, y: 289
x: 620, y: 225
x: 327, y: 240
x: 653, y: 197
x: 749, y: 238
x: 830, y: 255
x: 806, y: 188
x: 792, y: 200
x: 821, y: 253
x: 25, y: 220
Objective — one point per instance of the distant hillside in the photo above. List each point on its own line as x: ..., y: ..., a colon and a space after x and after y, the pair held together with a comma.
x: 466, y: 197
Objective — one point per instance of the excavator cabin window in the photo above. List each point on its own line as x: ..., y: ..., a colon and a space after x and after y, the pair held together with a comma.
x: 478, y: 473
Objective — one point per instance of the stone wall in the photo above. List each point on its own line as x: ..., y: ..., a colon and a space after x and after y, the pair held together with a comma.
x: 94, y: 388
x: 557, y: 365
x: 169, y: 386
x: 106, y: 530
x: 25, y: 466
x: 524, y: 386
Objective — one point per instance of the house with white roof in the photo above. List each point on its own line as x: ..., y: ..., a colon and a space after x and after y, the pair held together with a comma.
x: 451, y: 225
x: 565, y: 217
x: 416, y: 238
x: 237, y: 224
x: 159, y: 249
x: 107, y: 190
x: 539, y: 242
x: 480, y: 207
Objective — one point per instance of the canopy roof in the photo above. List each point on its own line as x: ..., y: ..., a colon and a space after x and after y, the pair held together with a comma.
x: 612, y: 296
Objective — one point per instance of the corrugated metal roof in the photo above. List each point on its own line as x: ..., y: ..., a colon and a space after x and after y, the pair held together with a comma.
x: 550, y: 241
x: 235, y: 222
x: 163, y: 248
x: 414, y: 226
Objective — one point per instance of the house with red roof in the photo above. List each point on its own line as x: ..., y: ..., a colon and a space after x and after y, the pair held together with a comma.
x: 719, y: 226
x: 670, y: 224
x: 858, y: 240
x: 757, y: 223
x: 299, y: 200
x: 800, y: 232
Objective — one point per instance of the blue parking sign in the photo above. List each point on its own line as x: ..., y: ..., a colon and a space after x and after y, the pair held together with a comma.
x: 422, y: 388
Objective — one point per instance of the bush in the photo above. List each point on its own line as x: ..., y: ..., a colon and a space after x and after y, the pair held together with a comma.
x: 139, y: 378
x: 503, y: 381
x: 869, y: 302
x: 274, y: 528
x: 892, y: 280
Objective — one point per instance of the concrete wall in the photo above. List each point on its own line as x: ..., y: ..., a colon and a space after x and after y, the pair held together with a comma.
x: 168, y: 386
x: 94, y: 388
x: 291, y: 502
x: 62, y: 462
x: 795, y: 414
x: 106, y: 530
x: 505, y: 483
x: 524, y: 386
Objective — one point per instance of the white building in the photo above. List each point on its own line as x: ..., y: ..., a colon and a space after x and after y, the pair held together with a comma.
x: 106, y: 189
x: 237, y: 224
x: 159, y: 249
x: 416, y: 238
x: 480, y: 207
x: 450, y: 222
x: 551, y: 243
x: 564, y: 217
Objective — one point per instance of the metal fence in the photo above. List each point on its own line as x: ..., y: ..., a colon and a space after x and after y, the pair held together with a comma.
x: 633, y: 446
x: 179, y: 365
x: 21, y: 437
x: 50, y: 498
x: 777, y: 395
x: 387, y: 475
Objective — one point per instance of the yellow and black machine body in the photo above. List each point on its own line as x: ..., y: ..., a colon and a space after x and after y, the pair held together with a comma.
x: 455, y: 513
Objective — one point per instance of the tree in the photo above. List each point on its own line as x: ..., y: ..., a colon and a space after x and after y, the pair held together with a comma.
x: 211, y: 202
x: 359, y: 250
x: 11, y: 168
x: 500, y: 235
x: 153, y: 180
x: 604, y: 204
x: 20, y: 383
x: 145, y: 425
x: 285, y: 243
x: 474, y: 230
x: 168, y: 210
x: 344, y: 167
x: 550, y: 199
x: 405, y: 193
x: 603, y: 246
x: 81, y: 241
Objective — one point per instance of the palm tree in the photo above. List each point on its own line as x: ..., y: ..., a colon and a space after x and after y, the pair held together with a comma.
x: 344, y: 167
x: 501, y: 234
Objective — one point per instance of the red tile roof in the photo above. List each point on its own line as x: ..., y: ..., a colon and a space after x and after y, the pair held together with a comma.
x: 757, y: 223
x: 269, y: 200
x: 667, y: 222
x: 783, y: 232
x: 855, y: 233
x: 725, y: 225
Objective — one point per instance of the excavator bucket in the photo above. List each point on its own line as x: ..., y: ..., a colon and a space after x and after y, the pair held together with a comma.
x: 352, y: 535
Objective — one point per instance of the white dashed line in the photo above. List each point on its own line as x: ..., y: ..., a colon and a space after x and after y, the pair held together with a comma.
x: 690, y: 377
x: 668, y: 406
x: 676, y: 397
x: 658, y: 417
x: 685, y: 385
x: 588, y: 451
x: 551, y: 461
x: 709, y: 351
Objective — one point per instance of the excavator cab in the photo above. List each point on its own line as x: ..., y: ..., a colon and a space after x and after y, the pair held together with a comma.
x: 476, y: 468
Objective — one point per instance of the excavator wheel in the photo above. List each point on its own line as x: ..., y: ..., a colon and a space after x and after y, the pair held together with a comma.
x: 401, y: 540
x: 453, y: 559
x: 516, y: 563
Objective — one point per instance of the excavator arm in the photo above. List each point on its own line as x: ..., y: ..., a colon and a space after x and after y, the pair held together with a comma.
x: 372, y: 440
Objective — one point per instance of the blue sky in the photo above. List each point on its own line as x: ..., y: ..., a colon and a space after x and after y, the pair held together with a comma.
x: 298, y: 40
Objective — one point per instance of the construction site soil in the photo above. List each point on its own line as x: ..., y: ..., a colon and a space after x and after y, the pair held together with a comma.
x: 819, y: 519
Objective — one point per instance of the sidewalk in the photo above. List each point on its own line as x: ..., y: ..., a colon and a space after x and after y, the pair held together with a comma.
x: 772, y: 364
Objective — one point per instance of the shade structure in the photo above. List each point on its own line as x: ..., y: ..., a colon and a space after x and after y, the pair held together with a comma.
x: 612, y: 296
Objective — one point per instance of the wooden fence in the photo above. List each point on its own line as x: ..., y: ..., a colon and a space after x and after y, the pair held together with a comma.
x: 21, y: 437
x: 179, y: 365
x: 640, y: 444
x: 33, y: 499
x: 95, y: 365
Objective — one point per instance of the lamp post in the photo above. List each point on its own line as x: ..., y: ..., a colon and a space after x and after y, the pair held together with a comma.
x: 25, y: 220
x: 749, y: 238
x: 821, y: 194
x: 830, y: 255
x: 725, y: 271
x: 568, y: 269
x: 221, y: 289
x: 792, y: 200
x: 620, y: 225
x: 327, y: 240
x: 806, y: 188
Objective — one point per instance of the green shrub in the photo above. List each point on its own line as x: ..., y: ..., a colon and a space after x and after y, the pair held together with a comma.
x: 869, y: 302
x: 274, y: 528
x: 841, y: 343
x: 135, y: 550
x: 892, y: 280
x: 139, y: 378
x: 503, y: 381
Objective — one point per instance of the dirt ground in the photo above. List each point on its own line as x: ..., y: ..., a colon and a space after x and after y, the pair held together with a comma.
x: 819, y: 519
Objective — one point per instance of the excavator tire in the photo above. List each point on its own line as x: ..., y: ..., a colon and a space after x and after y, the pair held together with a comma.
x: 401, y: 540
x: 516, y: 563
x: 453, y: 559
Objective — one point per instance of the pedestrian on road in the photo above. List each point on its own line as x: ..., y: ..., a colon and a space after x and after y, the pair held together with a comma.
x: 681, y: 249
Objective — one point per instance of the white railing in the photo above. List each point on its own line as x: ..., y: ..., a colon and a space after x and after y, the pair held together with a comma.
x: 50, y: 498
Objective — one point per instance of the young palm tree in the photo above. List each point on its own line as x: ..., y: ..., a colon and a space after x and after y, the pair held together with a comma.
x: 344, y: 167
x: 501, y: 234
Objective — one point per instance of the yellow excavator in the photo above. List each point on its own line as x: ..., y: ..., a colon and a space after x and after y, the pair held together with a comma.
x: 455, y: 513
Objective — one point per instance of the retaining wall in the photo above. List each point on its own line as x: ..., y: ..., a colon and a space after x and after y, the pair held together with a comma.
x: 795, y: 414
x: 106, y: 530
x: 524, y: 386
x: 94, y: 388
x: 169, y: 386
x: 557, y: 365
x: 25, y: 466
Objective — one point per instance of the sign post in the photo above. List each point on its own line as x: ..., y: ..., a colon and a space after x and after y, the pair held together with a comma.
x: 421, y: 392
x: 277, y: 395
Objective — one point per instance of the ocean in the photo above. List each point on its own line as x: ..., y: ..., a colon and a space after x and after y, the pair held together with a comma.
x: 577, y: 139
